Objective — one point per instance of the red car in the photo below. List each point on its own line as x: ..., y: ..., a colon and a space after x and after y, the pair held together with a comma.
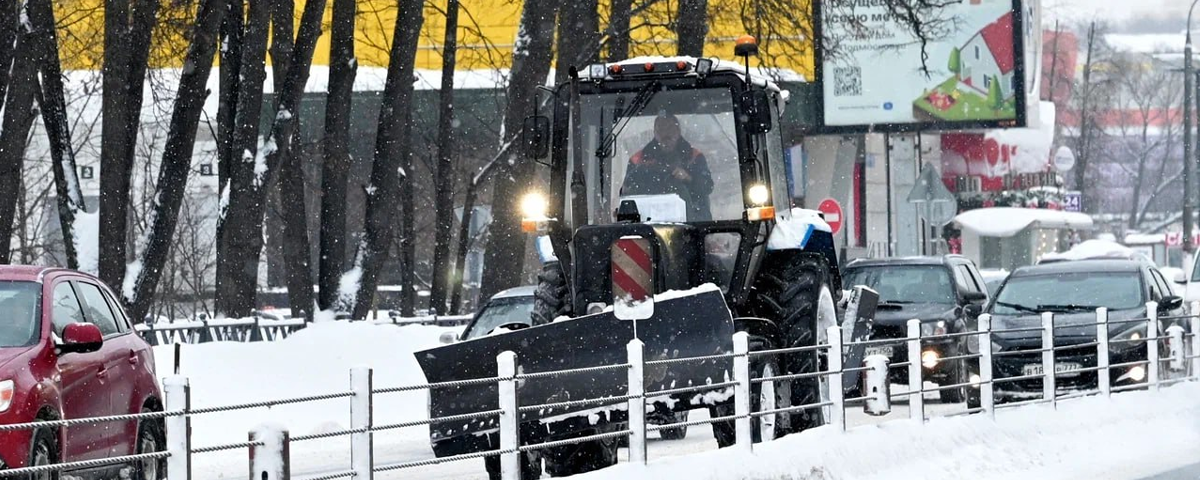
x: 68, y: 350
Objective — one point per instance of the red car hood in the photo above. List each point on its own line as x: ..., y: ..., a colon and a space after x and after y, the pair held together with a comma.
x: 7, y: 354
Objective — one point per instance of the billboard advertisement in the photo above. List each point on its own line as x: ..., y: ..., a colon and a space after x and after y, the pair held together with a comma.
x: 876, y: 74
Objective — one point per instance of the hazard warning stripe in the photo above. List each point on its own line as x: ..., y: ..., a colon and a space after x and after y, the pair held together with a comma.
x: 631, y: 269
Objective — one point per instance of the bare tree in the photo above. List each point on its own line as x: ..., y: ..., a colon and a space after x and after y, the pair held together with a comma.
x: 283, y: 20
x: 1091, y: 99
x: 8, y: 44
x: 692, y: 27
x: 619, y: 17
x: 19, y: 113
x: 177, y: 155
x: 232, y: 32
x: 391, y: 147
x: 443, y: 180
x: 336, y: 168
x: 578, y: 37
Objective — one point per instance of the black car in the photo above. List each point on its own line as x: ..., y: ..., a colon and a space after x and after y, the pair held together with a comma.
x: 946, y: 293
x: 1073, y: 290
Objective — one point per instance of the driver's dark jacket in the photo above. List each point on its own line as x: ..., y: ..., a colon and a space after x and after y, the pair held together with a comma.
x: 650, y: 173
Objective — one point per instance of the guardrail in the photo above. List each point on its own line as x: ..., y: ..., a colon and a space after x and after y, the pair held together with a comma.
x: 269, y: 446
x: 260, y: 328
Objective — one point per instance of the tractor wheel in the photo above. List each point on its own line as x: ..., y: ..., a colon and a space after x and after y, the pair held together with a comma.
x: 677, y: 433
x: 531, y: 466
x: 763, y: 396
x: 550, y: 299
x: 795, y: 292
x: 581, y: 457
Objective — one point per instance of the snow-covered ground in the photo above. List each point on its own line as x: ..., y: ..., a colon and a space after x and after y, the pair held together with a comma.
x: 1133, y: 435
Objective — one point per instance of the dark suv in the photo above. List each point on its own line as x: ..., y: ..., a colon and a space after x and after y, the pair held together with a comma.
x: 945, y: 293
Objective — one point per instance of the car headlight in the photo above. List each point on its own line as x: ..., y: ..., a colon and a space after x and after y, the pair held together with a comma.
x: 1129, y: 338
x: 7, y: 390
x: 933, y: 329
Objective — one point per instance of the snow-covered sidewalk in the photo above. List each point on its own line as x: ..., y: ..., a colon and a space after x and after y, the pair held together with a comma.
x: 1133, y: 435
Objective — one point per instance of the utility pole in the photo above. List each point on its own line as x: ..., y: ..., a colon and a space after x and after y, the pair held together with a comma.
x: 1188, y: 200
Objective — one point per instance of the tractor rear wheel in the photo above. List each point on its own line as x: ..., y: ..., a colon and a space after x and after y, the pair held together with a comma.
x: 550, y: 299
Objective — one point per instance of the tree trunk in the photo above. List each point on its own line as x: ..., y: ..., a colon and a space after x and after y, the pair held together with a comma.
x: 126, y: 51
x: 177, y: 157
x: 241, y: 236
x: 237, y: 280
x: 391, y: 146
x: 297, y: 249
x: 578, y: 37
x: 1083, y: 155
x: 19, y: 114
x: 504, y: 259
x: 692, y: 27
x: 283, y: 21
x: 444, y: 178
x: 54, y: 117
x: 618, y: 30
x: 335, y: 171
x: 232, y: 37
x: 8, y: 43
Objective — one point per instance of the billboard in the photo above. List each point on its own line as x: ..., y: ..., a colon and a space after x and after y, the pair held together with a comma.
x: 874, y: 76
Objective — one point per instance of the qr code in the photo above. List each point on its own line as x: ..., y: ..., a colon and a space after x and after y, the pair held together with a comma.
x: 847, y: 81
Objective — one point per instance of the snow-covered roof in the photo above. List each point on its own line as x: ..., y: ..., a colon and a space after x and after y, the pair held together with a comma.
x: 765, y: 77
x: 1007, y: 221
x: 1095, y: 248
x: 1145, y: 238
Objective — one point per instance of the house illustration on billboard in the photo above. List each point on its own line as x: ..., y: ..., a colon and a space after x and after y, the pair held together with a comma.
x: 982, y: 86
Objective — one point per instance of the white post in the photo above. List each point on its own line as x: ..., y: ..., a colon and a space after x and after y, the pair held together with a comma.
x: 986, y: 399
x: 362, y: 452
x: 741, y: 391
x: 271, y: 460
x: 635, y: 352
x: 837, y: 392
x: 510, y: 436
x: 1175, y: 344
x: 916, y: 398
x: 178, y: 396
x: 1103, y: 373
x: 1049, y: 377
x: 1194, y: 321
x: 1152, y: 344
x: 878, y: 393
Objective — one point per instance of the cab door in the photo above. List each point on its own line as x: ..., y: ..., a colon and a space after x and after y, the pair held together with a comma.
x: 84, y: 379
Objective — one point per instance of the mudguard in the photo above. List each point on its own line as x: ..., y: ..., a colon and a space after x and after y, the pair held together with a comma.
x: 696, y: 324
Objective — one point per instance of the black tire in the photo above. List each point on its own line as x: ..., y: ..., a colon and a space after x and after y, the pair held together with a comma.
x: 973, y: 398
x: 788, y: 291
x: 957, y: 376
x: 677, y: 433
x: 150, y: 439
x: 43, y: 450
x: 531, y: 466
x: 763, y: 396
x: 550, y: 299
x: 581, y: 457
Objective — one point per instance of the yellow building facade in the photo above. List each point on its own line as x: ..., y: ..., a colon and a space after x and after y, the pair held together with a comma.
x: 486, y: 32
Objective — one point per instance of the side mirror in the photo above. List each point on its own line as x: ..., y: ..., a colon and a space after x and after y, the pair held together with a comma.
x: 1170, y: 302
x: 535, y: 137
x: 973, y: 310
x: 755, y: 107
x: 448, y: 337
x: 972, y: 297
x: 81, y: 338
x: 1179, y: 277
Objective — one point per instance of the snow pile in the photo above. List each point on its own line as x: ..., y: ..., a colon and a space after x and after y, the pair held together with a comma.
x: 86, y: 229
x: 1094, y: 249
x: 1007, y: 221
x: 1133, y: 435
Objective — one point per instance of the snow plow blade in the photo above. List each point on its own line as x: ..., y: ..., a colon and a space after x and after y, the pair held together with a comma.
x: 689, y: 326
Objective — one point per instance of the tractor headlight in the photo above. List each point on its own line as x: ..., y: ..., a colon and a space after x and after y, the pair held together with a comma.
x: 759, y: 194
x: 534, y: 206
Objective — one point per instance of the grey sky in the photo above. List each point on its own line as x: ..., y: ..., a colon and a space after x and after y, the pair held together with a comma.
x: 1140, y: 16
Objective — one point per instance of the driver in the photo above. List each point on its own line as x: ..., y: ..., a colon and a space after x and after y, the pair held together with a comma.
x: 669, y: 164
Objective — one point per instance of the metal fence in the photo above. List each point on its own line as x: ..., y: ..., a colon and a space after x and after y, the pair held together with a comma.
x: 269, y: 447
x: 260, y: 328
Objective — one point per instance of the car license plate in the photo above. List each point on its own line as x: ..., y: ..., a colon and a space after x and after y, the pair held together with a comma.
x: 1063, y: 369
x: 884, y: 350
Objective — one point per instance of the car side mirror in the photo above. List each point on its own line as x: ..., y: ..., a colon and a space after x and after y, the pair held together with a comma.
x: 448, y: 337
x: 1179, y: 277
x: 755, y: 111
x: 81, y: 338
x: 972, y: 297
x: 1170, y: 302
x: 535, y: 137
x: 973, y: 310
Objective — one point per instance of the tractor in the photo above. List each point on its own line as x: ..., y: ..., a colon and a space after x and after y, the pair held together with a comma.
x: 665, y: 216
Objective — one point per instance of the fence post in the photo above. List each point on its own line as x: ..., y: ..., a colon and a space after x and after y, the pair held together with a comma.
x: 256, y: 330
x: 178, y: 396
x: 916, y: 398
x: 205, y: 332
x: 987, y: 400
x: 1176, y: 347
x: 271, y: 460
x: 635, y: 352
x: 1049, y: 375
x: 362, y: 451
x: 878, y: 391
x: 1152, y: 344
x: 837, y: 392
x: 510, y: 437
x: 741, y: 391
x: 1103, y: 373
x: 1195, y: 324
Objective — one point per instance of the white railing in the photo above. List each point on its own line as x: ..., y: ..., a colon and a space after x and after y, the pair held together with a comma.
x: 260, y: 328
x: 269, y: 446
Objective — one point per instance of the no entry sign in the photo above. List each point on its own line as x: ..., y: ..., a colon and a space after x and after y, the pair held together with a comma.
x: 833, y: 213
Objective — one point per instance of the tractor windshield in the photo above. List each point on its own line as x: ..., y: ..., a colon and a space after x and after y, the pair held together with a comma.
x: 673, y: 151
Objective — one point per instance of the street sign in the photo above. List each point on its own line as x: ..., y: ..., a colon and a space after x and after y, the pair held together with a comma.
x: 1064, y: 159
x: 833, y: 213
x: 938, y: 205
x: 1073, y: 202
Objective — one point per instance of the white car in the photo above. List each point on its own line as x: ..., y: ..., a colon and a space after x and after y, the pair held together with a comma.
x: 1192, y: 291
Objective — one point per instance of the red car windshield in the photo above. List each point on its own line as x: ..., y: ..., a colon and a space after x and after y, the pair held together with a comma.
x: 18, y: 313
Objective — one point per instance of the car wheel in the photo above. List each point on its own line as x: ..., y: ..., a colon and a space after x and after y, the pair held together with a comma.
x: 150, y: 439
x: 957, y: 376
x: 43, y: 452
